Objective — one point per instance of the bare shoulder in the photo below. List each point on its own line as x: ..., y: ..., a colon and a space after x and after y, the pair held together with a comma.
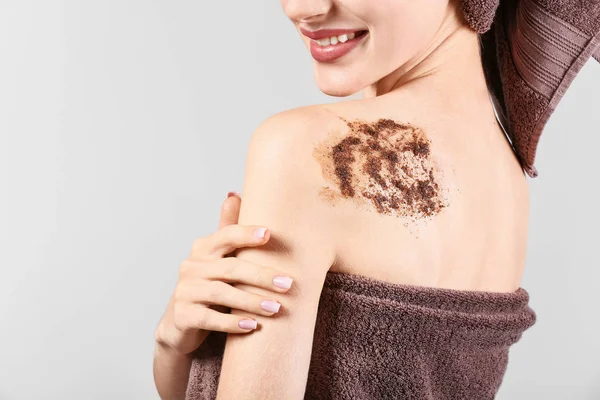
x: 401, y: 191
x: 348, y: 157
x: 293, y: 129
x: 281, y: 186
x: 285, y: 142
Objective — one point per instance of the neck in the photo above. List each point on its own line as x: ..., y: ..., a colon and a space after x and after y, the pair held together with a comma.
x: 451, y: 66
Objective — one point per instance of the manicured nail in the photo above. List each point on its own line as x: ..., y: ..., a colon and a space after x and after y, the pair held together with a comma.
x: 233, y: 194
x: 270, y: 306
x: 283, y: 282
x: 260, y: 233
x: 247, y: 324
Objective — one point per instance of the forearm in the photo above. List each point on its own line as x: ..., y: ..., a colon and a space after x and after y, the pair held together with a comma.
x: 171, y: 372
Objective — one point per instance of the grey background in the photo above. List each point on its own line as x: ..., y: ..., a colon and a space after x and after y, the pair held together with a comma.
x: 123, y: 124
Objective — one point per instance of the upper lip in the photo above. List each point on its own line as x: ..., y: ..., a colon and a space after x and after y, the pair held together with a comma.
x: 325, y: 33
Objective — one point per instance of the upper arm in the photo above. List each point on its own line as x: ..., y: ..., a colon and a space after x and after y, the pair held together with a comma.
x: 280, y: 192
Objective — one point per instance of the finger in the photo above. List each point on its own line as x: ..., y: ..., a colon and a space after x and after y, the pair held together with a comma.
x: 236, y: 270
x: 196, y: 316
x: 230, y: 211
x: 223, y: 294
x: 228, y: 239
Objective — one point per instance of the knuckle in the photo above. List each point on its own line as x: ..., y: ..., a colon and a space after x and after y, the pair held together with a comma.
x: 179, y: 317
x: 158, y: 334
x: 243, y: 234
x: 260, y: 273
x: 214, y: 291
x: 256, y: 275
x: 198, y: 245
x: 219, y: 325
x: 229, y: 268
x: 193, y: 269
x: 185, y: 266
x: 250, y: 303
x: 230, y: 231
x: 201, y: 319
x: 178, y: 293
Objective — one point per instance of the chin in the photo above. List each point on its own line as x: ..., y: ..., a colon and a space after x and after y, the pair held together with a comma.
x: 337, y: 91
x: 337, y: 84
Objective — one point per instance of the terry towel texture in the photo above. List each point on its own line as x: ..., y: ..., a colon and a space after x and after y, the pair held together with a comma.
x: 532, y: 51
x: 377, y: 340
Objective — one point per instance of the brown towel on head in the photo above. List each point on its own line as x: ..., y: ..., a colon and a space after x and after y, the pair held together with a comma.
x: 377, y: 340
x: 532, y: 51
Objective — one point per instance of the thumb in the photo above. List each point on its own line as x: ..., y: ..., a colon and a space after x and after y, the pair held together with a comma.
x: 230, y: 210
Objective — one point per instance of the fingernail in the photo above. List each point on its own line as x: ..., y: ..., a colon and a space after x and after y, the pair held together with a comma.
x: 283, y: 282
x: 260, y: 233
x: 270, y: 306
x: 233, y: 194
x: 247, y: 324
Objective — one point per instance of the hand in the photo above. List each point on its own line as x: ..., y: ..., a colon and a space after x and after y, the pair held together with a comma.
x: 203, y: 295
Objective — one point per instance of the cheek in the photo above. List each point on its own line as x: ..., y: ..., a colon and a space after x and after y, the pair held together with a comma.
x: 395, y: 43
x: 399, y: 41
x: 407, y: 26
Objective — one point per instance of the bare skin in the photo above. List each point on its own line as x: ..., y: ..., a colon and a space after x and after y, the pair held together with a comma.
x: 466, y: 225
x: 474, y: 235
x: 473, y: 238
x: 202, y: 299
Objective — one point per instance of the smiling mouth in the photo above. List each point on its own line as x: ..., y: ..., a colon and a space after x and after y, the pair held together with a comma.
x: 333, y: 40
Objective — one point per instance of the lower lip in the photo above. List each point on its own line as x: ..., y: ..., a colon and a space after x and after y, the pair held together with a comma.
x: 333, y: 52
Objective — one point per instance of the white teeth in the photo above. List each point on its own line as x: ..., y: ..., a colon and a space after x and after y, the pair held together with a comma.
x: 323, y: 42
x: 335, y: 39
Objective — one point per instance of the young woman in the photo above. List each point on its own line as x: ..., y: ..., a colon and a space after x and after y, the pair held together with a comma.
x: 413, y: 189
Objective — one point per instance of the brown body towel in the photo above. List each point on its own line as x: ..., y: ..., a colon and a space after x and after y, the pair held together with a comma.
x: 532, y: 51
x: 378, y: 340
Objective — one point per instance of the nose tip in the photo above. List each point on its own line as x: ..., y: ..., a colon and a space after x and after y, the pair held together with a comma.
x: 306, y: 10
